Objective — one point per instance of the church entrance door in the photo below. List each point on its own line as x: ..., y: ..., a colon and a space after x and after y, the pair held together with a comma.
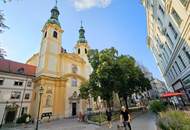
x: 74, y: 109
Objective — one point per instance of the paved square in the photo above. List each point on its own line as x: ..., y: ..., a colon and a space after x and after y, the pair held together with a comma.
x: 143, y: 122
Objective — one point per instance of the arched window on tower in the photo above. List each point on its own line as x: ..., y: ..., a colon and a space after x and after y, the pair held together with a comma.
x: 54, y: 34
x: 45, y: 34
x: 74, y: 82
x: 85, y: 51
x: 79, y: 51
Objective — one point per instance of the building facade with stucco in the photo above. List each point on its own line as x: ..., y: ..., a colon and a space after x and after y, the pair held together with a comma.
x: 168, y: 30
x: 16, y: 88
x: 60, y: 73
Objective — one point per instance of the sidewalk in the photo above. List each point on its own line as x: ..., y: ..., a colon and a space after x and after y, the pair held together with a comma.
x: 146, y: 121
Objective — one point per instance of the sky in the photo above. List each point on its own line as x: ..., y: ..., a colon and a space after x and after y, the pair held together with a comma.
x: 108, y: 23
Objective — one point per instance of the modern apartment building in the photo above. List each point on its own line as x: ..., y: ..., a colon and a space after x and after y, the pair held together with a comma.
x: 16, y: 86
x: 168, y: 30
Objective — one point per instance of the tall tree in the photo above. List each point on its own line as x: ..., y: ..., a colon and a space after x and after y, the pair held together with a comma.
x: 102, y: 79
x: 2, y: 24
x: 113, y: 73
x: 131, y: 78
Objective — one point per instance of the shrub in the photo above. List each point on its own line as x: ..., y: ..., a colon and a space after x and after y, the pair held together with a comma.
x: 157, y: 106
x: 174, y: 120
x: 22, y: 119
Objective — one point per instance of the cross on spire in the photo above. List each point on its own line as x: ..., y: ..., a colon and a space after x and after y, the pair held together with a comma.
x: 55, y: 2
x: 81, y: 23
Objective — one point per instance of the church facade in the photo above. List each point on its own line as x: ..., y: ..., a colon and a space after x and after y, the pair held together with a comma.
x: 60, y: 73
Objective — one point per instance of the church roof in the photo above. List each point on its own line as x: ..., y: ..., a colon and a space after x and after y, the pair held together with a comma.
x: 74, y: 57
x: 14, y: 67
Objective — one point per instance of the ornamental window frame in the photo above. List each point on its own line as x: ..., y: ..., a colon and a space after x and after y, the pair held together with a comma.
x: 176, y: 17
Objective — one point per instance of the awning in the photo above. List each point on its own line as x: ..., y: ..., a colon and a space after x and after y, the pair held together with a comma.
x: 171, y: 94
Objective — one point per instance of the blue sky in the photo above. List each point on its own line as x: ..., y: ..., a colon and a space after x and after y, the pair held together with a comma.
x: 117, y: 23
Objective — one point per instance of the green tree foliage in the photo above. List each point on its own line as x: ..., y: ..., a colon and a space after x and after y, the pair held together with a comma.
x: 114, y: 73
x: 157, y: 106
x: 85, y: 90
x: 131, y: 78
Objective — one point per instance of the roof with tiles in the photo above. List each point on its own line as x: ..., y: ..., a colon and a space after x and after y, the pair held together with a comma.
x: 14, y: 67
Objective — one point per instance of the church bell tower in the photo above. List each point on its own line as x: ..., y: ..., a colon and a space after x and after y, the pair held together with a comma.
x: 50, y: 45
x: 82, y: 46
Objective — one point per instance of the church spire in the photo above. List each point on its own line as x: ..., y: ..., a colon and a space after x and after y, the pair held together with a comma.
x: 54, y: 13
x: 54, y: 16
x: 81, y: 35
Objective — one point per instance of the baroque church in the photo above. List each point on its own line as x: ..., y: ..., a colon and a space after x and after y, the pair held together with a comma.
x: 60, y: 73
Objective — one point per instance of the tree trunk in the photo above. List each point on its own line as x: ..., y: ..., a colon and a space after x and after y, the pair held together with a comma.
x: 126, y: 102
x: 120, y: 101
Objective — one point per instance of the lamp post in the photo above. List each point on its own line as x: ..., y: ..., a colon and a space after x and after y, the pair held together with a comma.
x: 41, y: 91
x: 3, y: 115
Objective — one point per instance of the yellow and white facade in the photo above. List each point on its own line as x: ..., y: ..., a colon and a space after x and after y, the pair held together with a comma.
x: 60, y: 73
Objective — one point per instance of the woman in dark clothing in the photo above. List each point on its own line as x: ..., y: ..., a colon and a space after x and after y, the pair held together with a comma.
x: 125, y: 117
x: 109, y: 118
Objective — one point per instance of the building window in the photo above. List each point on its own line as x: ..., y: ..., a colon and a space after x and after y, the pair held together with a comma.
x: 161, y: 9
x: 176, y: 17
x: 172, y: 74
x: 178, y: 66
x: 173, y: 30
x: 1, y: 81
x: 20, y: 71
x: 27, y: 96
x: 170, y: 40
x: 166, y: 52
x: 45, y: 34
x: 160, y: 22
x: 170, y: 51
x: 15, y: 94
x: 54, y: 34
x: 186, y: 53
x: 174, y: 70
x: 29, y: 84
x: 18, y: 83
x: 165, y: 57
x: 169, y: 75
x: 85, y: 51
x: 74, y: 68
x: 79, y: 51
x: 74, y: 82
x: 184, y: 2
x: 180, y: 58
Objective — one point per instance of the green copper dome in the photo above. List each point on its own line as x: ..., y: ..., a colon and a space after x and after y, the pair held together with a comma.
x: 54, y: 17
x: 81, y: 35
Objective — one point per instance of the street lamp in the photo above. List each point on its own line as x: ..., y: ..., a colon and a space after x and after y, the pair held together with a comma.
x: 3, y: 114
x: 41, y: 91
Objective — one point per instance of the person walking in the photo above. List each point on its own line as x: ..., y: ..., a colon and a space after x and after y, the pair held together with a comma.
x: 109, y: 117
x: 125, y: 118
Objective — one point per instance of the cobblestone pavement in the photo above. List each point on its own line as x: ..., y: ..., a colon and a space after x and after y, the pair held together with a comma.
x: 143, y: 122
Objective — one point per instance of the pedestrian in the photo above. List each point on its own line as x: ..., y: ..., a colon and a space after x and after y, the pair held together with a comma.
x: 125, y: 118
x: 109, y: 117
x: 80, y: 116
x: 27, y: 120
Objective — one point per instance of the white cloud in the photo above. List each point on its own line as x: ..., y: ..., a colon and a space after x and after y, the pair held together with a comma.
x: 87, y: 4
